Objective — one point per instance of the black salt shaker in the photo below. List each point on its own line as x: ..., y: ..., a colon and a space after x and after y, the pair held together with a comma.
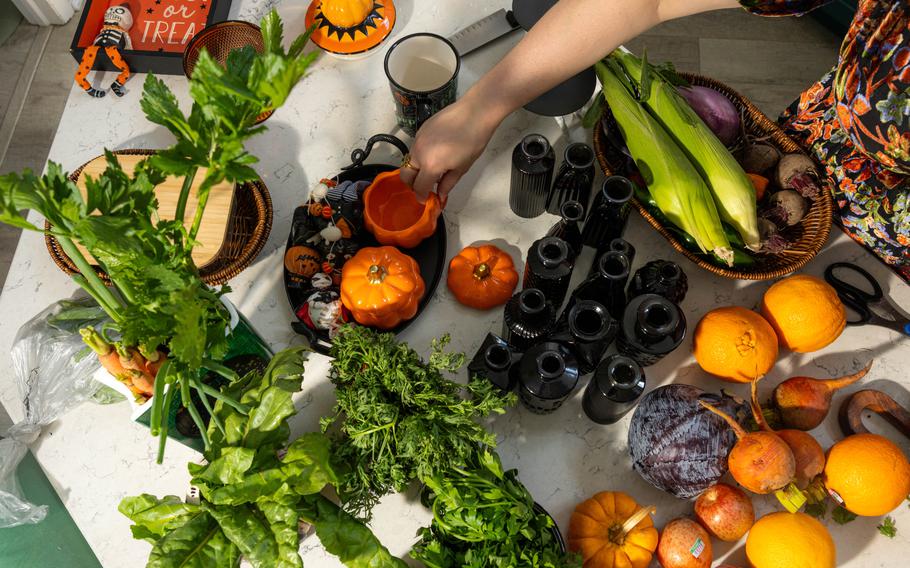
x: 493, y: 361
x: 546, y: 376
x: 609, y: 213
x: 651, y: 327
x: 661, y: 277
x: 574, y: 178
x: 588, y: 330
x: 548, y: 268
x: 568, y: 228
x: 614, y: 389
x: 532, y: 170
x: 528, y: 318
x: 607, y: 284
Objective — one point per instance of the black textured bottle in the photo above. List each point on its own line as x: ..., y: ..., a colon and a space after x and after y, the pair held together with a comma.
x: 609, y: 212
x: 546, y: 376
x: 614, y: 389
x: 574, y: 178
x: 618, y: 245
x: 607, y: 284
x: 661, y: 277
x: 548, y: 268
x: 493, y: 361
x: 651, y: 327
x: 588, y: 330
x: 568, y: 227
x: 532, y: 170
x: 528, y: 318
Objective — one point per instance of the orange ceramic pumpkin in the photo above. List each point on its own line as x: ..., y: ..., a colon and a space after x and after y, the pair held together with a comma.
x: 482, y: 277
x: 381, y: 286
x: 610, y: 530
x: 393, y: 214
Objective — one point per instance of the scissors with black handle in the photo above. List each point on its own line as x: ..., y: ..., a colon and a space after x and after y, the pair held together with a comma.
x: 871, y: 307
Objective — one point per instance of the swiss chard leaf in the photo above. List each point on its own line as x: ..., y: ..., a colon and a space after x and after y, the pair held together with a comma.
x: 248, y: 531
x: 153, y: 517
x: 199, y: 543
x: 282, y: 518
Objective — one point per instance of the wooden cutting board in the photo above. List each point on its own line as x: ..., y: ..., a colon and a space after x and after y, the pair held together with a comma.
x: 214, y: 224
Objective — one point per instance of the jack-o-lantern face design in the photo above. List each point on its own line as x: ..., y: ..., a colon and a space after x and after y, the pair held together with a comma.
x: 302, y: 261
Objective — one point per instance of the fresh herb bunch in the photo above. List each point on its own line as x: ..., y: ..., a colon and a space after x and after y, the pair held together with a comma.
x: 254, y: 488
x: 166, y: 323
x: 483, y: 517
x: 398, y: 417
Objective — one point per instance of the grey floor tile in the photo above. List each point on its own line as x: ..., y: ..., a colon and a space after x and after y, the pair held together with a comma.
x: 759, y: 61
x: 682, y: 51
x: 738, y: 24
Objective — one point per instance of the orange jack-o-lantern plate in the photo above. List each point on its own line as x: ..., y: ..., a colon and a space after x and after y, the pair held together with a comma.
x: 350, y: 28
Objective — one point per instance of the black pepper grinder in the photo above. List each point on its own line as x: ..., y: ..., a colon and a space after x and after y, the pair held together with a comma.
x: 527, y: 319
x: 548, y: 268
x: 588, y: 330
x: 568, y: 228
x: 609, y: 212
x: 546, y: 376
x: 652, y: 326
x: 493, y: 361
x: 574, y: 178
x: 618, y: 245
x: 607, y: 285
x: 532, y: 170
x: 614, y: 389
x: 661, y: 277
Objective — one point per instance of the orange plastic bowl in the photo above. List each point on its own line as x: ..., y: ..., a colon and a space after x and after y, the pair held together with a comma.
x: 393, y: 214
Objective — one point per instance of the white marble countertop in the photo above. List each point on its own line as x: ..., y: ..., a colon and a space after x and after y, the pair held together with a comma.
x: 94, y: 455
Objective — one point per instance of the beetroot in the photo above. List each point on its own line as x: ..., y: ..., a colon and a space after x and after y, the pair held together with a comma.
x: 678, y: 446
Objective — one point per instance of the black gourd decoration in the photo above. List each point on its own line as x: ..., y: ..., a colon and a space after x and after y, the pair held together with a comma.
x: 546, y: 376
x: 528, y: 318
x: 606, y: 285
x: 661, y: 277
x: 651, y: 328
x: 588, y: 330
x: 613, y: 391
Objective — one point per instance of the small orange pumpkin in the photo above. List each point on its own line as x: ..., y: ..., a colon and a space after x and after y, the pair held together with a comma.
x: 392, y: 213
x: 482, y: 277
x: 381, y: 286
x: 610, y: 530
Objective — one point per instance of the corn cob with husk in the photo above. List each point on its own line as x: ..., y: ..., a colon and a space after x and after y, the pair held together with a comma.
x: 673, y: 182
x: 733, y: 192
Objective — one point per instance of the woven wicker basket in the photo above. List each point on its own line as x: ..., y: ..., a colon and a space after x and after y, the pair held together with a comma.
x: 219, y: 40
x: 249, y: 225
x: 809, y: 236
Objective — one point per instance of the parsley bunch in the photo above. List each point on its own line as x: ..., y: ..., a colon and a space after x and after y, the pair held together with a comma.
x: 399, y: 418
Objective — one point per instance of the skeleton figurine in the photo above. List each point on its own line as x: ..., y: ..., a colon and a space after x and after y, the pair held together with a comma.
x: 113, y: 37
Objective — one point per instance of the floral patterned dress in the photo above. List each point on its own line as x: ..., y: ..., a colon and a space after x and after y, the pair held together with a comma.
x: 856, y: 121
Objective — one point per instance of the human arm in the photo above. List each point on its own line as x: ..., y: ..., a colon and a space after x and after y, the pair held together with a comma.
x: 572, y: 36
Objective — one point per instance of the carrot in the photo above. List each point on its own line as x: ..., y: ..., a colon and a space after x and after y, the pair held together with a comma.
x: 130, y: 369
x: 107, y: 355
x: 760, y: 183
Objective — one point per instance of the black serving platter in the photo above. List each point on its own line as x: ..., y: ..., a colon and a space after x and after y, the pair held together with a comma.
x: 430, y: 254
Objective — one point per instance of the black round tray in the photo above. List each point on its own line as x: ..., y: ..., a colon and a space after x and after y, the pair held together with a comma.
x: 430, y: 254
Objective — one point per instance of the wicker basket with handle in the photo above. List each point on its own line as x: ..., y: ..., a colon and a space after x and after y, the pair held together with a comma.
x: 248, y: 226
x: 810, y: 235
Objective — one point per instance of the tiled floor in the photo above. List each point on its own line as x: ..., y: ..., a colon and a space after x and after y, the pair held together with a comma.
x: 769, y: 60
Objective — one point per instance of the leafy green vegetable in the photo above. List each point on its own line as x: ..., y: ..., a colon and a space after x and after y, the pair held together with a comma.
x: 255, y: 486
x: 398, y: 418
x: 842, y: 516
x: 887, y: 527
x: 484, y: 517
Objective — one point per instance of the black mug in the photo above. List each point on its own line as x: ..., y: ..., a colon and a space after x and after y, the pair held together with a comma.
x: 423, y: 73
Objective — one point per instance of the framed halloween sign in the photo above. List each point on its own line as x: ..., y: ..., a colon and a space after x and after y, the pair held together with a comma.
x: 159, y: 32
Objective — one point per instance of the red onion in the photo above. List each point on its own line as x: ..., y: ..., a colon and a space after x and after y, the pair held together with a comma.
x: 716, y: 110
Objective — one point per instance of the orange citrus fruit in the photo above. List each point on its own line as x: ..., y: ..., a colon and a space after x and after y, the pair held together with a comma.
x: 869, y: 473
x: 790, y: 540
x: 805, y: 312
x: 735, y: 344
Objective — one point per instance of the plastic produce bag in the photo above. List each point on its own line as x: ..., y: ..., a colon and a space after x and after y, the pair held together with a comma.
x: 53, y: 370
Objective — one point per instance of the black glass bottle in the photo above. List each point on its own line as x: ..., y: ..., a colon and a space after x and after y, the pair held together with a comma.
x: 568, y: 228
x: 661, y: 277
x: 574, y: 178
x: 617, y: 245
x: 527, y: 319
x: 546, y: 376
x: 493, y: 361
x: 651, y: 327
x: 607, y: 285
x: 532, y: 170
x: 614, y: 389
x: 609, y: 213
x: 548, y: 268
x: 588, y: 330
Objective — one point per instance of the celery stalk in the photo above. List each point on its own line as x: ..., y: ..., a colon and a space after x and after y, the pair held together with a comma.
x: 673, y: 182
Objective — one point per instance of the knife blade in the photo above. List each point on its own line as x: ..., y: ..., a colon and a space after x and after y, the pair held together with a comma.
x: 484, y: 31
